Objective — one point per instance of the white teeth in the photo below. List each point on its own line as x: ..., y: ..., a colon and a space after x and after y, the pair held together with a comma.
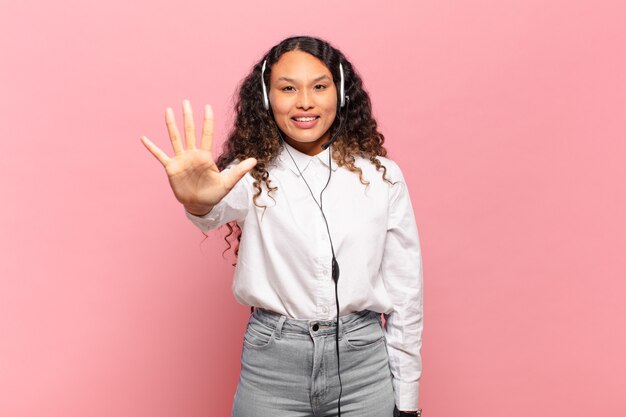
x: 305, y: 119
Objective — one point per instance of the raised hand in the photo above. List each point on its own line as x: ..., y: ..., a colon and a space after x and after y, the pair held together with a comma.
x: 193, y: 175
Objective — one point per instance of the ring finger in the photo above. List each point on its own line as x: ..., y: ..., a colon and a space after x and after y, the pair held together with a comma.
x: 190, y: 130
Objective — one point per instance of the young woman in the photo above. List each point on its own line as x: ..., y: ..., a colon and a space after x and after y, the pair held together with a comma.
x: 324, y: 229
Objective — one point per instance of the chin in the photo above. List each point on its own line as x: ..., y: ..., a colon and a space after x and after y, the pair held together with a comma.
x: 306, y: 140
x: 318, y: 140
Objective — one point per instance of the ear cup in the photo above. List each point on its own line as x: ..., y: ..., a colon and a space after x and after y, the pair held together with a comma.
x: 342, y: 90
x: 266, y: 100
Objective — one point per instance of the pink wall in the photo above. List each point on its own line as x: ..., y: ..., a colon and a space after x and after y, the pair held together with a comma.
x: 507, y: 118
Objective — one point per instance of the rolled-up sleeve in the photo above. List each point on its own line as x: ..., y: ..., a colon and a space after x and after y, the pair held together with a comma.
x: 402, y: 273
x: 233, y: 207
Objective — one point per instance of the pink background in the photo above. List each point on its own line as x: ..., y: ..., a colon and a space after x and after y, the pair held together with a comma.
x: 508, y: 119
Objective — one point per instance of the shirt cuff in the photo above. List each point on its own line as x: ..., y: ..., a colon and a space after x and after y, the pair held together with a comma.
x: 406, y: 395
x: 208, y: 221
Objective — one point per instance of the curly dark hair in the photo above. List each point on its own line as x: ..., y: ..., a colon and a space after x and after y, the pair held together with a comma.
x: 255, y: 133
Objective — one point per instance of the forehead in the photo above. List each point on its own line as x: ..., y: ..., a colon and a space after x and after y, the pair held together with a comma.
x: 299, y: 65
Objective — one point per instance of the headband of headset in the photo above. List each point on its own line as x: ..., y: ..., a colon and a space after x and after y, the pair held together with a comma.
x: 266, y: 100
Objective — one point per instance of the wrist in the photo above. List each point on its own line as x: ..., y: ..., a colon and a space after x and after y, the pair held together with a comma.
x: 398, y: 413
x: 198, y: 211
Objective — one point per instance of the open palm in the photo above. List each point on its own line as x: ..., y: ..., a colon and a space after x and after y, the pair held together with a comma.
x: 193, y: 175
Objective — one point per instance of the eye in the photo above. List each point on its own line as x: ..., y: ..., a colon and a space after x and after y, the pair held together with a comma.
x: 288, y: 88
x: 320, y: 87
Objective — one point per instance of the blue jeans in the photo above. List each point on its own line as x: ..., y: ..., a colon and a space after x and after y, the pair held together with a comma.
x: 289, y: 367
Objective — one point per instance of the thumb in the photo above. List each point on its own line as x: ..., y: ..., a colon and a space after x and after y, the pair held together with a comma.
x: 238, y: 171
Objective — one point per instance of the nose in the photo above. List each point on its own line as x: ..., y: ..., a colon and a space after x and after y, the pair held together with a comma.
x: 304, y: 100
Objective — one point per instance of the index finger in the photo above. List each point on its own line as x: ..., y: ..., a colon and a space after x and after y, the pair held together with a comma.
x: 207, y: 129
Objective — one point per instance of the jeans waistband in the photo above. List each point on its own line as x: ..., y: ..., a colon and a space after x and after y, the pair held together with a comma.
x: 284, y: 324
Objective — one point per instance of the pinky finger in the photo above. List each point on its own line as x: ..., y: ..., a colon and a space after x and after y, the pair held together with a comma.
x: 154, y: 150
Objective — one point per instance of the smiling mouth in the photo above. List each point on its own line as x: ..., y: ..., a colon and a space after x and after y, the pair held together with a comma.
x: 305, y: 122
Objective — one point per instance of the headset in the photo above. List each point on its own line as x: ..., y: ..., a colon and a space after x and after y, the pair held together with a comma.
x: 342, y: 93
x: 344, y: 101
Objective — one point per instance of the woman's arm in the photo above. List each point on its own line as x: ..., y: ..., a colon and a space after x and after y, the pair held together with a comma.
x: 403, y: 277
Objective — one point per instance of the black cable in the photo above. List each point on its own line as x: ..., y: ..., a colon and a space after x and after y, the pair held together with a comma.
x: 335, y: 266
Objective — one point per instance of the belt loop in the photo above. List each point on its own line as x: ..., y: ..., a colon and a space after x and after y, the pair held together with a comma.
x: 340, y: 327
x: 279, y: 326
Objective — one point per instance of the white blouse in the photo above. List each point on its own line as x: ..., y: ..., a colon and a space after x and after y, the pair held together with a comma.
x: 284, y: 261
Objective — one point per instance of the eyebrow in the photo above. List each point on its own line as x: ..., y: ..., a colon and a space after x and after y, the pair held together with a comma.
x: 291, y: 80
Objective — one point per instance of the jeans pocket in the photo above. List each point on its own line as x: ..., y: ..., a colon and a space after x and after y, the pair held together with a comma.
x: 258, y: 335
x: 364, y: 336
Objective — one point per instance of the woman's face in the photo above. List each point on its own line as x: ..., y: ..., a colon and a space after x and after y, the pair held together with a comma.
x: 304, y: 100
